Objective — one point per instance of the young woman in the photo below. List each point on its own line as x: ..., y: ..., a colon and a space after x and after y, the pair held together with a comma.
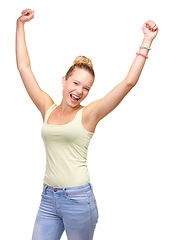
x: 68, y: 201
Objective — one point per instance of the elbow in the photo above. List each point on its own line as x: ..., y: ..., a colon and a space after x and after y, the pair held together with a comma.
x: 22, y: 64
x: 18, y: 67
x: 132, y: 80
x: 22, y: 67
x: 131, y: 84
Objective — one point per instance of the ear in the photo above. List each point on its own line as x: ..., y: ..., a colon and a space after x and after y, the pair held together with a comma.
x: 63, y: 80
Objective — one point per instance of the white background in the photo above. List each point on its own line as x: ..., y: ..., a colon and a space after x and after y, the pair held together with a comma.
x: 128, y: 154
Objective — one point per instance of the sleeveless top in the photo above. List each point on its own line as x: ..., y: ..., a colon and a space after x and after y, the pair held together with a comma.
x: 66, y: 152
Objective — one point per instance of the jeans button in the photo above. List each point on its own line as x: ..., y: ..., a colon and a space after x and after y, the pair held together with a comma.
x: 55, y: 190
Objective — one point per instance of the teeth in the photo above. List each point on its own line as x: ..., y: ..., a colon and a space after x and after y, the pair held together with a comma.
x: 75, y: 96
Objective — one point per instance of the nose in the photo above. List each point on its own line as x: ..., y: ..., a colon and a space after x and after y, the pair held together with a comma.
x: 79, y: 90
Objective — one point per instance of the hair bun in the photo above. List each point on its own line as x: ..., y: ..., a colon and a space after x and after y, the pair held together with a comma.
x: 83, y: 60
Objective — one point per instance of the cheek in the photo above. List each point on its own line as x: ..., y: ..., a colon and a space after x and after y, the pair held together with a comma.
x: 85, y: 93
x: 65, y: 91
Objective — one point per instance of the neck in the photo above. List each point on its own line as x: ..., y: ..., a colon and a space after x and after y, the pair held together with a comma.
x: 66, y: 109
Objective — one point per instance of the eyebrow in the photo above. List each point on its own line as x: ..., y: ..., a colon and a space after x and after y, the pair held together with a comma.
x: 80, y: 82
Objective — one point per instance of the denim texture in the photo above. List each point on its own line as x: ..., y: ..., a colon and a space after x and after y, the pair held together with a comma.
x: 73, y: 209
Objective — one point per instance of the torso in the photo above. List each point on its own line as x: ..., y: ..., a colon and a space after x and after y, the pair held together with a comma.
x: 87, y: 120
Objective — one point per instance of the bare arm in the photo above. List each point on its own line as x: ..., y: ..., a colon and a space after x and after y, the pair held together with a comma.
x: 41, y: 99
x: 104, y: 106
x: 22, y: 56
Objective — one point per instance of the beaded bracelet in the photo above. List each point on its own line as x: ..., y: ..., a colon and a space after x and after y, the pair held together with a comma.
x: 142, y: 55
x: 145, y: 47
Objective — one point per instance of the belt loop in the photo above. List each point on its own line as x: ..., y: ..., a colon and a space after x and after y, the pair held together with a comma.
x: 91, y: 186
x: 64, y: 190
x: 44, y: 189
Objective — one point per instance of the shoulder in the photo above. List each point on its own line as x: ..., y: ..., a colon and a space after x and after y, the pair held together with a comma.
x: 47, y: 104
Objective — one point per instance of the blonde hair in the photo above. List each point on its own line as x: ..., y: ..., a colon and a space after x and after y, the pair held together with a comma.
x: 81, y: 62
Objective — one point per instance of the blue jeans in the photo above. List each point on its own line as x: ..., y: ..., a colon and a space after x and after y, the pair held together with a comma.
x: 73, y: 209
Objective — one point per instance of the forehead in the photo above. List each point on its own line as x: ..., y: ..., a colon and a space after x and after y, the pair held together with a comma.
x: 83, y: 76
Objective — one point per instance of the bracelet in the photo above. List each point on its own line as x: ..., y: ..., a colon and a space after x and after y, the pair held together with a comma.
x: 142, y: 55
x: 145, y: 47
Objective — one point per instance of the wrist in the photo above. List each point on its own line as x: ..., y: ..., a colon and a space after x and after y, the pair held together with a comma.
x: 19, y: 22
x: 147, y: 42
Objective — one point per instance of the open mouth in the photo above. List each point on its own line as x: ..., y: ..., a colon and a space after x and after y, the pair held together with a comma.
x: 74, y: 98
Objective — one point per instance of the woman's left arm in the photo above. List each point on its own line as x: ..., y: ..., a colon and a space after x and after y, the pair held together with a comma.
x: 105, y: 105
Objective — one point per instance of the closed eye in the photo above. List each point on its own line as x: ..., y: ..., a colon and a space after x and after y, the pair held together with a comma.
x: 85, y: 88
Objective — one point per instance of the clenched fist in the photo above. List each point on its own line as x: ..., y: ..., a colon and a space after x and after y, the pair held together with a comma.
x: 26, y: 15
x: 150, y: 30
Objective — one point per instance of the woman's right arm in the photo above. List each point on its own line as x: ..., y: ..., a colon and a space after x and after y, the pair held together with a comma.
x: 41, y: 99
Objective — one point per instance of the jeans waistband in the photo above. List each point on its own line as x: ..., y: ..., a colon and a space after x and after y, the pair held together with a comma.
x: 85, y: 187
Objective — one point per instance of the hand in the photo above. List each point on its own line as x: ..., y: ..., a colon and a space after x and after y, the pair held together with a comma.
x: 150, y: 30
x: 26, y: 16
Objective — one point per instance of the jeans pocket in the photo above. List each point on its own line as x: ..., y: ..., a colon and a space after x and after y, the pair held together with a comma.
x: 77, y: 197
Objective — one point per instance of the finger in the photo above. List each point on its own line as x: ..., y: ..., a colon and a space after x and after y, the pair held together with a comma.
x: 144, y: 25
x: 26, y: 11
x: 152, y: 25
x: 149, y: 24
x: 30, y: 17
x: 155, y: 29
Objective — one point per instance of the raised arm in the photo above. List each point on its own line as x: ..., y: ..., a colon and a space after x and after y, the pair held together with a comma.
x: 100, y: 108
x: 41, y: 99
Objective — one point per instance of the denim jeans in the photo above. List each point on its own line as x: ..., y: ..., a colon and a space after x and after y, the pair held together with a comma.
x: 73, y: 209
